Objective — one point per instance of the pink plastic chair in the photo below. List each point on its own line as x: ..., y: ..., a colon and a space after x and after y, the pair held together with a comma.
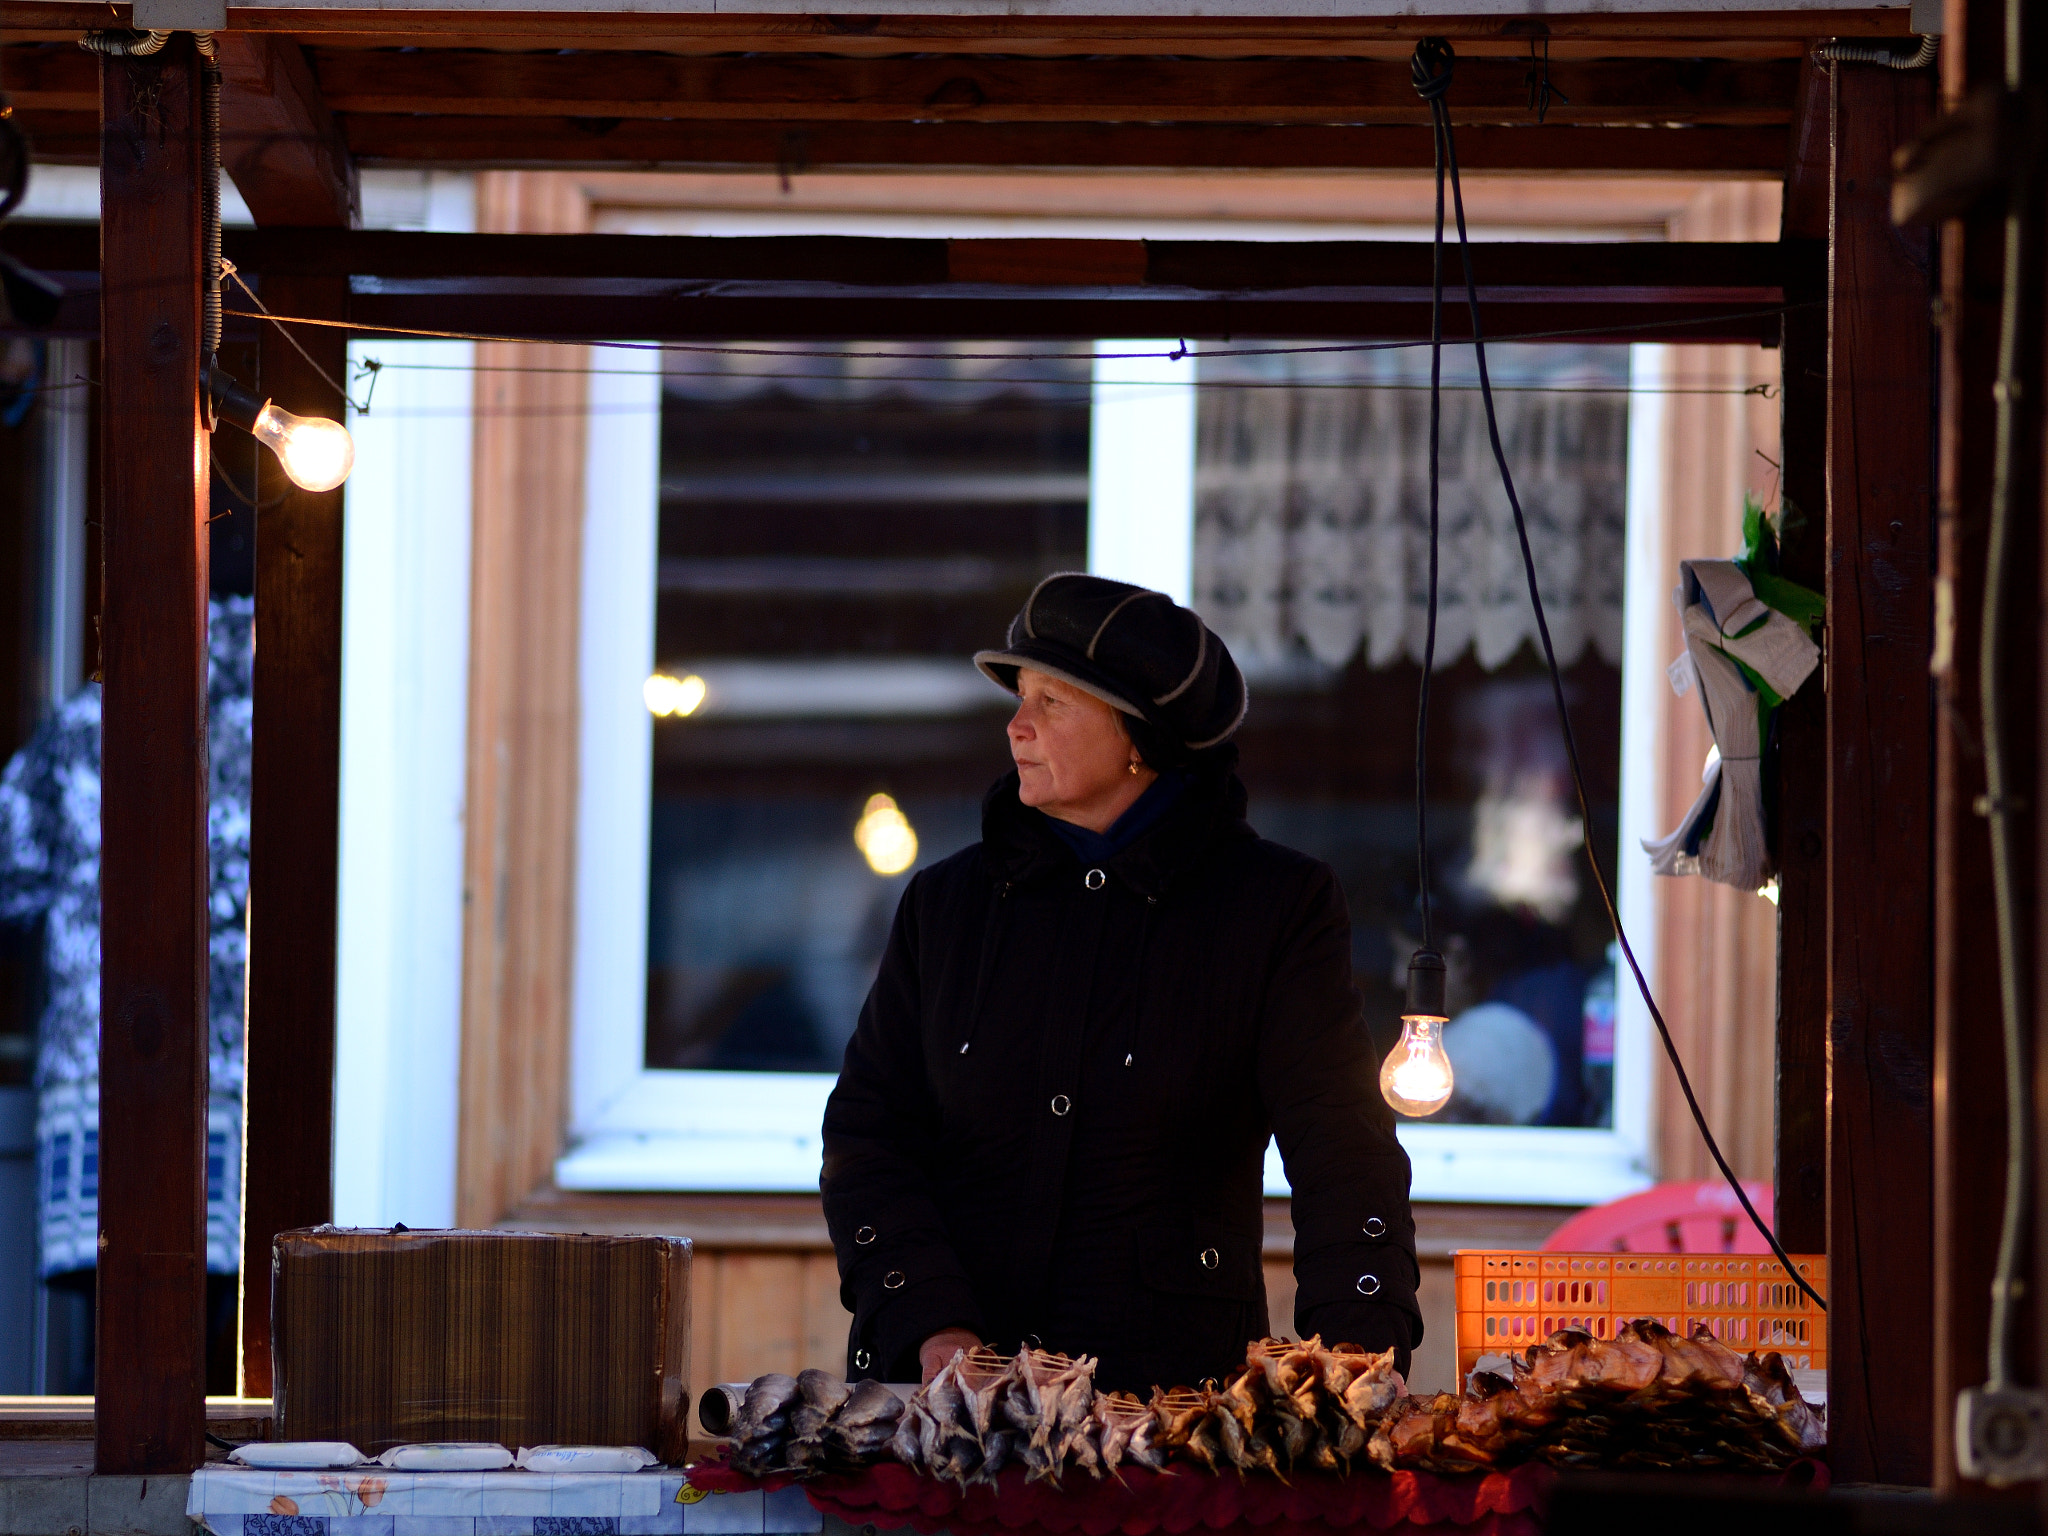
x: 1694, y: 1217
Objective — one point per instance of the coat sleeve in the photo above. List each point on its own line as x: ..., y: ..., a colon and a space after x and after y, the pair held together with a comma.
x: 1354, y: 1236
x: 898, y: 1273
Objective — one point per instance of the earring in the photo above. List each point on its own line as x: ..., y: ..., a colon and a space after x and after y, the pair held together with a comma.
x: 1134, y: 767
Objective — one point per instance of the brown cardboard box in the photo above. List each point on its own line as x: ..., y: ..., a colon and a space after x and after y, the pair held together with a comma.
x: 525, y: 1338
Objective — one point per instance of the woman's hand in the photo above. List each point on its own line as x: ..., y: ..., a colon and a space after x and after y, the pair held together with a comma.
x: 935, y: 1351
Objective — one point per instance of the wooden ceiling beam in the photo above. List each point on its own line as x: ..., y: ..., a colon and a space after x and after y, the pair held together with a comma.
x: 61, y: 137
x: 1674, y: 33
x: 795, y: 147
x: 270, y: 74
x: 279, y: 141
x: 1093, y: 90
x: 590, y: 286
x: 391, y: 261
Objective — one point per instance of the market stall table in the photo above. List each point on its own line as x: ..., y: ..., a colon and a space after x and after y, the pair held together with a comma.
x: 375, y: 1501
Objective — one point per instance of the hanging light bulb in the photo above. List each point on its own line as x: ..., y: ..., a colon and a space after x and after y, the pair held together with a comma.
x: 316, y: 453
x: 885, y: 837
x: 1416, y: 1076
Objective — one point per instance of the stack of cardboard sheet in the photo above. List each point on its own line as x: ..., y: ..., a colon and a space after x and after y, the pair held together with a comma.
x: 389, y: 1338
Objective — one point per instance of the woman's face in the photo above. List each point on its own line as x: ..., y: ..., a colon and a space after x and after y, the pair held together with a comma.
x: 1072, y: 753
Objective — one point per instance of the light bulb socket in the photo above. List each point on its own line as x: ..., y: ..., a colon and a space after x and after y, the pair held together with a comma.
x: 230, y: 402
x: 1426, y: 976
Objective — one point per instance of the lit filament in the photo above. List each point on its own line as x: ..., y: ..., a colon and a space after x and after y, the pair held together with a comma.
x: 1416, y: 1076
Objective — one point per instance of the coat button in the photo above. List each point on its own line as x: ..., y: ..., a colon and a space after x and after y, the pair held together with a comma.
x: 1061, y: 1103
x: 893, y: 1281
x: 1368, y: 1285
x: 1374, y: 1227
x: 864, y: 1236
x: 1211, y: 1258
x: 862, y: 1359
x: 1095, y: 879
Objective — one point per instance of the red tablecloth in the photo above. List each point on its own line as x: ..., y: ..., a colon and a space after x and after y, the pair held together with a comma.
x: 1180, y: 1499
x: 1183, y: 1498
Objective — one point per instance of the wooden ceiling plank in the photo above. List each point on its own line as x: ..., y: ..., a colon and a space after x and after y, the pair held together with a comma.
x: 981, y: 89
x: 280, y: 142
x: 1671, y: 33
x: 796, y: 147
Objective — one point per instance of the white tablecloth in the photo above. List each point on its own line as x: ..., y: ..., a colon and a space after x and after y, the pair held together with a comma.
x: 372, y: 1501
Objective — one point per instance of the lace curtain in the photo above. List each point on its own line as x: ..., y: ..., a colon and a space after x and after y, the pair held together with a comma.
x: 1312, y: 504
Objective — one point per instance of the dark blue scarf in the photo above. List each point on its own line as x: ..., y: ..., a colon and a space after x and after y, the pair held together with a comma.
x: 1098, y: 847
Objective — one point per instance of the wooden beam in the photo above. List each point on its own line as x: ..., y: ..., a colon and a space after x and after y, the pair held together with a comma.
x: 279, y: 141
x: 1676, y: 32
x: 294, y: 823
x: 1806, y: 157
x: 795, y: 147
x: 597, y: 286
x: 153, y: 861
x: 1969, y: 1068
x: 772, y: 88
x: 1880, y: 786
x: 1801, y: 1182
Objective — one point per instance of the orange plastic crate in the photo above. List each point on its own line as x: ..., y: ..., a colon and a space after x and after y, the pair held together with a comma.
x: 1508, y: 1300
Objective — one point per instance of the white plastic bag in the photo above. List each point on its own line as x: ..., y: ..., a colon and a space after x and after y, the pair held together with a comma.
x: 448, y: 1456
x: 297, y: 1455
x: 583, y: 1458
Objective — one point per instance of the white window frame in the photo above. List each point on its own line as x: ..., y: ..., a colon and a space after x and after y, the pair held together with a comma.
x: 639, y: 1129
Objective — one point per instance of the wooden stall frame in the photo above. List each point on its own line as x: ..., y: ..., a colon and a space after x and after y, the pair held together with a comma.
x: 153, y: 861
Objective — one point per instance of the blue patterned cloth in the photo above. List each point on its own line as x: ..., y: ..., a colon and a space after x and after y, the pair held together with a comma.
x: 50, y: 870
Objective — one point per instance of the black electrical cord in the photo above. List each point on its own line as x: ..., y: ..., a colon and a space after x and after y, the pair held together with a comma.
x: 1432, y: 63
x: 1432, y: 77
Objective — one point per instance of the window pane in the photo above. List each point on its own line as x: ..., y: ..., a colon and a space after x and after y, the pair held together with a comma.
x: 837, y: 537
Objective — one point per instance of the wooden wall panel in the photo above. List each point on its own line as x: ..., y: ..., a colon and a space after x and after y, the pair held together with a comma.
x: 1717, y: 949
x: 518, y: 930
x: 766, y: 1285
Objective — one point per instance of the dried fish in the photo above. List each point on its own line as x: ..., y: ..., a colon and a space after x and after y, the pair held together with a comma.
x: 820, y: 1395
x: 865, y: 1424
x: 761, y: 1432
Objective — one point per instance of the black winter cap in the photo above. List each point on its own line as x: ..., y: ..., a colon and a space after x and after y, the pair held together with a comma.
x: 1136, y: 650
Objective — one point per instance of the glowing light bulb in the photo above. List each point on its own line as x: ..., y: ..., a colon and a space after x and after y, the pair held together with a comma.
x: 317, y: 454
x: 884, y: 836
x: 668, y: 696
x: 1416, y: 1076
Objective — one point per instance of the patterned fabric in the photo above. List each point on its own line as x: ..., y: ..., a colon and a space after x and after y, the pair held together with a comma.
x: 1312, y: 505
x: 50, y: 871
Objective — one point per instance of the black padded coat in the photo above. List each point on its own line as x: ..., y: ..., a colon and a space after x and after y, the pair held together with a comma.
x: 1052, y: 1117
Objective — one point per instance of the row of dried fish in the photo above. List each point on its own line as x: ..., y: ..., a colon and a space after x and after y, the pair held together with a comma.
x: 813, y: 1423
x: 1289, y: 1405
x: 1645, y: 1398
x: 985, y: 1410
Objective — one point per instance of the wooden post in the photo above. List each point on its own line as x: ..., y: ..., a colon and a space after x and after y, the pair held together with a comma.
x: 1969, y: 1067
x: 1800, y: 1211
x: 153, y: 861
x: 1880, y: 784
x: 294, y: 823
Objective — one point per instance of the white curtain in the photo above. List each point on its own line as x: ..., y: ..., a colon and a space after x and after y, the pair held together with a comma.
x: 1312, y: 504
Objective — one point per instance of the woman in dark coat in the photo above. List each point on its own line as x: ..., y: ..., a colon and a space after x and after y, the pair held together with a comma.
x: 1051, y: 1122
